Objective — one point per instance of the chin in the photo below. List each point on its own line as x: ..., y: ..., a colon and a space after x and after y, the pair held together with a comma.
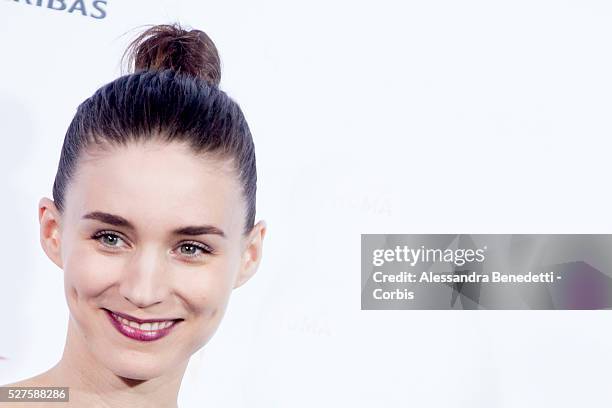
x: 138, y: 367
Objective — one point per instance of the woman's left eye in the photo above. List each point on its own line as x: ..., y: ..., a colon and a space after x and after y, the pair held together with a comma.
x: 190, y: 249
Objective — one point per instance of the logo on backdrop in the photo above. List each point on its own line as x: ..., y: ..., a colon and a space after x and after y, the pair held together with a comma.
x: 88, y: 8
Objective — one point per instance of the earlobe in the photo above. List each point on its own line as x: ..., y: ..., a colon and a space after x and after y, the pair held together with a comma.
x: 252, y: 254
x: 50, y: 236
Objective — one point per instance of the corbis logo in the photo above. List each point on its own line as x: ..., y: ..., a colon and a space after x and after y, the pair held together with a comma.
x: 88, y: 8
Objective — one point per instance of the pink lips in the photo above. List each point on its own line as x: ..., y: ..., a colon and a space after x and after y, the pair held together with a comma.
x: 137, y: 333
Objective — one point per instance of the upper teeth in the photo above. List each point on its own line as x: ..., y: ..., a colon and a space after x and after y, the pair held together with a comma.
x: 144, y: 326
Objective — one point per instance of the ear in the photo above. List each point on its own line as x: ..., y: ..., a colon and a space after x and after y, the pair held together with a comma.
x: 50, y: 233
x: 251, y: 255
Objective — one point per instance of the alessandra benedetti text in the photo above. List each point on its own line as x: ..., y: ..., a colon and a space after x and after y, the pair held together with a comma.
x: 494, y: 276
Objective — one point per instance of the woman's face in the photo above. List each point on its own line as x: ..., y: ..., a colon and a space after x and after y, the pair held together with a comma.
x: 149, y: 231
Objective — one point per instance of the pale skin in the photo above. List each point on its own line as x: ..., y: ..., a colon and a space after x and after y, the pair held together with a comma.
x: 145, y: 270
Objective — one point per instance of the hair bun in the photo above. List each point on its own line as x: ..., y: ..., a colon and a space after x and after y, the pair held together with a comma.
x: 169, y: 46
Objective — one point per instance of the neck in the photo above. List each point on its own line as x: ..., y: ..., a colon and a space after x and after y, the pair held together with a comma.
x: 92, y: 384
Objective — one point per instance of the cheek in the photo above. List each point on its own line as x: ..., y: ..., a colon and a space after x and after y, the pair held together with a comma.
x: 88, y: 273
x: 210, y: 284
x: 207, y: 291
x: 207, y: 288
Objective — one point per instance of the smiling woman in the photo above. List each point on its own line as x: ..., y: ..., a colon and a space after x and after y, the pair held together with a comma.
x: 152, y: 221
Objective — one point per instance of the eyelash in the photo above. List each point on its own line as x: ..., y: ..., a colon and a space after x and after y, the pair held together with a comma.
x: 206, y: 250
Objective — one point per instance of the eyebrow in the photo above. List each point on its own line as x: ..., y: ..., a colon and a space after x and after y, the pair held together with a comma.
x: 119, y: 221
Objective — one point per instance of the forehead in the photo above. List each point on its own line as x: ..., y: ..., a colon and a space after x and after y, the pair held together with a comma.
x: 156, y: 185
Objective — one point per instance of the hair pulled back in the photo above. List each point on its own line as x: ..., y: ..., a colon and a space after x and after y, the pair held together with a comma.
x: 171, y: 95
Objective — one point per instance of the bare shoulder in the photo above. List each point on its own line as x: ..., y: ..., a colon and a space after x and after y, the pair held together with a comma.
x: 36, y: 381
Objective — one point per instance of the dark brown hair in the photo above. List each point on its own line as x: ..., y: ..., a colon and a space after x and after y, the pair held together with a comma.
x: 172, y: 95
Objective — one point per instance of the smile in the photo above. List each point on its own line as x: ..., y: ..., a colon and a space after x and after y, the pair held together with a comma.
x: 139, y: 329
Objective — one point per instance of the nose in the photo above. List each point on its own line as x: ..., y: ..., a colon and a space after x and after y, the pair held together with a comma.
x: 145, y: 280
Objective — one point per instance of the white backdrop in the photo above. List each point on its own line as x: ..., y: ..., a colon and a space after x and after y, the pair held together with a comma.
x: 368, y: 117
